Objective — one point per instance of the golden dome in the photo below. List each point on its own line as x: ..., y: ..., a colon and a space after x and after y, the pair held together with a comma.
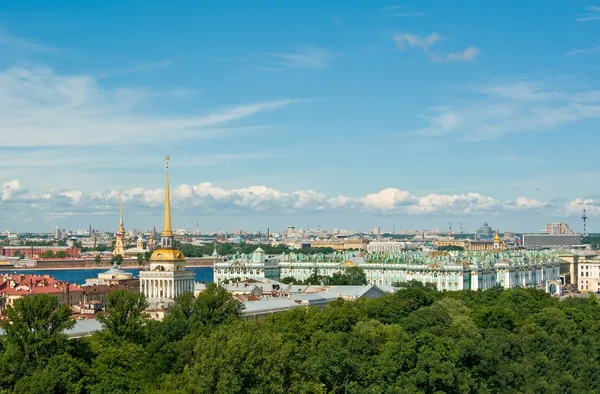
x: 496, y: 237
x: 167, y: 255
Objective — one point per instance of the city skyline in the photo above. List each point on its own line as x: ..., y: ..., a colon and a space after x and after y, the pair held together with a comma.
x: 358, y: 115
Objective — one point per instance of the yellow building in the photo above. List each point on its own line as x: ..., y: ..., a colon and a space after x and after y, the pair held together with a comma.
x: 451, y: 242
x: 351, y: 243
x: 495, y: 244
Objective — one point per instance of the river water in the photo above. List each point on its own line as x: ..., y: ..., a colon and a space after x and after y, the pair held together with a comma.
x: 78, y: 276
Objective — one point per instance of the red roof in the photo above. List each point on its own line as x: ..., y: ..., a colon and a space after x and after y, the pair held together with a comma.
x: 21, y: 284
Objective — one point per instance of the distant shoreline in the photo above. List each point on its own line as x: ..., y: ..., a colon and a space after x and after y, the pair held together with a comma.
x: 59, y: 268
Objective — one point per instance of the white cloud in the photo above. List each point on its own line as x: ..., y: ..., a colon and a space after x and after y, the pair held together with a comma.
x: 426, y: 44
x: 39, y: 107
x: 12, y: 191
x: 523, y: 202
x: 511, y: 107
x: 467, y: 55
x: 304, y: 57
x: 393, y: 11
x: 585, y: 51
x: 576, y: 206
x: 24, y: 44
x: 206, y: 197
x: 592, y: 15
x: 407, y: 14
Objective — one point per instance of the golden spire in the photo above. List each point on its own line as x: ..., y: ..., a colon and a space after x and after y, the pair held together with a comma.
x: 167, y: 231
x: 121, y: 209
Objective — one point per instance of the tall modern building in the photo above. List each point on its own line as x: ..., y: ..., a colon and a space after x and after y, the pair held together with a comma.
x: 556, y: 228
x: 120, y: 234
x: 484, y: 232
x: 166, y: 276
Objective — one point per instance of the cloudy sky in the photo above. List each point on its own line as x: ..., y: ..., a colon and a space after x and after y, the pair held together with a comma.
x: 346, y: 114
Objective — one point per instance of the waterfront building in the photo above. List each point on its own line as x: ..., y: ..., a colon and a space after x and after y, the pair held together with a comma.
x: 243, y: 266
x: 34, y: 252
x: 166, y: 276
x: 120, y: 234
x: 114, y: 275
x: 447, y: 271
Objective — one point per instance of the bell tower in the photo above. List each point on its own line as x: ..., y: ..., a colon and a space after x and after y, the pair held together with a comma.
x: 120, y: 234
x: 497, y: 242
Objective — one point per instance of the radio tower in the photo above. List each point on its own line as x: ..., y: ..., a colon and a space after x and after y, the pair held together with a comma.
x: 584, y: 217
x: 450, y: 229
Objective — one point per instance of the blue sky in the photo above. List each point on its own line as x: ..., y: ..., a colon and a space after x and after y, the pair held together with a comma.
x: 346, y: 114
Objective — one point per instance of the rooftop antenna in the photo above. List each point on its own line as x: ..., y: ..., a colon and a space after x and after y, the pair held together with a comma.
x: 584, y: 217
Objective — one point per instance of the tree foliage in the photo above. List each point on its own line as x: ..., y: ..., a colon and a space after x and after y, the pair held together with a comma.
x: 417, y: 340
x: 116, y: 259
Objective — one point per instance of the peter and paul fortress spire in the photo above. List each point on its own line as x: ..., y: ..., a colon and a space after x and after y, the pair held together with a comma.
x: 120, y: 234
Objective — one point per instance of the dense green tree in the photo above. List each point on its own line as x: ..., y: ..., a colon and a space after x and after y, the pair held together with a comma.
x: 34, y: 332
x: 125, y: 317
x: 116, y: 259
x: 48, y: 254
x: 416, y: 340
x: 214, y: 305
x: 62, y: 374
x: 97, y: 259
x: 290, y: 280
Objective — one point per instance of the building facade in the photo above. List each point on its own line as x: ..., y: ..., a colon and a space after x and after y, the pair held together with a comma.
x: 550, y: 241
x: 461, y: 271
x: 557, y: 228
x: 34, y: 252
x: 13, y: 287
x: 588, y: 277
x: 256, y: 265
x: 388, y: 246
